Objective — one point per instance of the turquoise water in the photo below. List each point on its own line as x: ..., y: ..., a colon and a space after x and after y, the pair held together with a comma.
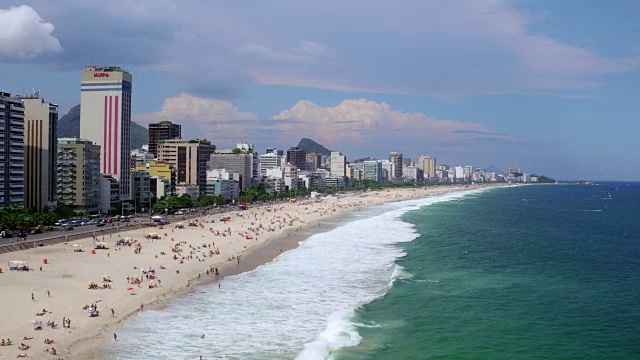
x: 536, y: 272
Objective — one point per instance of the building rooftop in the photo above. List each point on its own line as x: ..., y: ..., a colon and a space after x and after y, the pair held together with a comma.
x: 104, y: 68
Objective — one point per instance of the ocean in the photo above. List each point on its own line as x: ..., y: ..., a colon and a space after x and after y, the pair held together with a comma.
x: 529, y: 272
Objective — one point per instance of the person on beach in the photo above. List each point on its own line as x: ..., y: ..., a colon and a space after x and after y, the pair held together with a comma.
x: 113, y: 313
x: 115, y: 337
x: 48, y: 293
x: 33, y: 297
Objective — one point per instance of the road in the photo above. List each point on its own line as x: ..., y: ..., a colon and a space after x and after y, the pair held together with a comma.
x: 57, y: 236
x: 85, y: 229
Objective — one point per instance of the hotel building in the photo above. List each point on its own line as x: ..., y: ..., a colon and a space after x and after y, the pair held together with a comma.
x: 105, y: 119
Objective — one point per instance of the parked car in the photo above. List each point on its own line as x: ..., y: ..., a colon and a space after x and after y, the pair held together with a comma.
x: 67, y: 227
x: 6, y: 234
x: 101, y: 224
x: 21, y: 234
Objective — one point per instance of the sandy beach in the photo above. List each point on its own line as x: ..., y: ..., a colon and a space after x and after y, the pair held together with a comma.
x: 146, y: 273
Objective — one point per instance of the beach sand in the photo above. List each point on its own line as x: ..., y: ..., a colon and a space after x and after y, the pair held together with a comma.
x: 67, y: 273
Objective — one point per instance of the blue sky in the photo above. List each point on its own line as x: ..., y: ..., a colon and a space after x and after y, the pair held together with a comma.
x: 550, y: 86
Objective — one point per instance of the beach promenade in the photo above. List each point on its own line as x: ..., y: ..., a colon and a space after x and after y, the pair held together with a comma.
x: 141, y: 273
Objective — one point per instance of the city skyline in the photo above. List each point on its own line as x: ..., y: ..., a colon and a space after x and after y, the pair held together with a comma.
x: 500, y: 83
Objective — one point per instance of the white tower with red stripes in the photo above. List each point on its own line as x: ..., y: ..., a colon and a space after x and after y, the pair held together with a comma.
x: 105, y: 119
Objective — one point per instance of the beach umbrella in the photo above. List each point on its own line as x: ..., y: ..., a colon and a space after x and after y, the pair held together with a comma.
x: 129, y: 289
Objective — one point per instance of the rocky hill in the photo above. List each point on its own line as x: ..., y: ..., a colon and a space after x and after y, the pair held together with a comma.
x: 310, y: 146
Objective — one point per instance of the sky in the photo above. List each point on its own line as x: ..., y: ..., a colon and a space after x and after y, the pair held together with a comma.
x: 549, y: 86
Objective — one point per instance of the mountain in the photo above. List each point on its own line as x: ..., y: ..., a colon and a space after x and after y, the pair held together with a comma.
x: 310, y: 146
x: 139, y: 135
x: 493, y: 169
x: 69, y: 126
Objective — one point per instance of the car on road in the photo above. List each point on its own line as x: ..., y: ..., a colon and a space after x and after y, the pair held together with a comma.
x: 21, y: 234
x: 67, y: 227
x: 6, y: 234
x: 101, y: 224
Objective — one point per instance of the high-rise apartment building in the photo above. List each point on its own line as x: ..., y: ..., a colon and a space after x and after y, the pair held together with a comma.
x: 269, y: 161
x: 41, y: 152
x: 12, y: 151
x: 189, y: 158
x: 78, y: 174
x: 372, y: 170
x: 274, y: 151
x: 255, y: 160
x: 314, y: 161
x: 338, y: 164
x: 396, y: 159
x: 238, y: 163
x: 164, y: 130
x: 140, y: 188
x: 428, y: 165
x: 297, y: 157
x: 105, y: 119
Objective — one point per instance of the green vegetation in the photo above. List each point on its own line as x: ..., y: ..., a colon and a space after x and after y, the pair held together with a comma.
x: 545, y: 180
x: 173, y: 203
x: 16, y: 218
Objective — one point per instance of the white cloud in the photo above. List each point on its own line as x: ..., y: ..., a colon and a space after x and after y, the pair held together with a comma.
x: 202, y: 118
x: 314, y: 49
x: 362, y: 120
x: 197, y: 109
x: 307, y: 53
x: 25, y: 34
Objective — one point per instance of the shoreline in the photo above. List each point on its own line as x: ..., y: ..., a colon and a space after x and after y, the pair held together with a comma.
x: 90, y: 334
